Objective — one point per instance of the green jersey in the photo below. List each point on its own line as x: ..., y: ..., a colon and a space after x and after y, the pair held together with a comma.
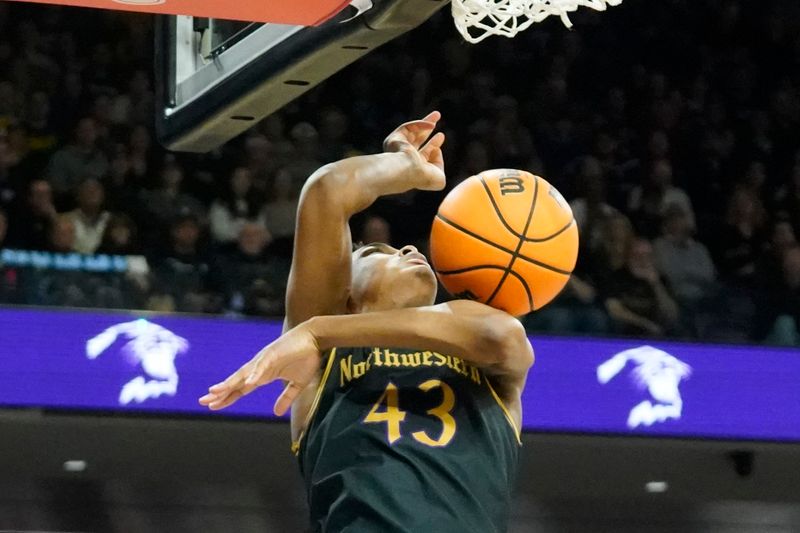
x: 404, y: 440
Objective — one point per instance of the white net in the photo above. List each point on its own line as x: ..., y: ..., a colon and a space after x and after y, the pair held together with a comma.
x: 478, y: 19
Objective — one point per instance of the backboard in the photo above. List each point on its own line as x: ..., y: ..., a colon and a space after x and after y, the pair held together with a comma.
x: 216, y: 78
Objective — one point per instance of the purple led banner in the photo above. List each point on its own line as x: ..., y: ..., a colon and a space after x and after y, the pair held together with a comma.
x: 162, y: 364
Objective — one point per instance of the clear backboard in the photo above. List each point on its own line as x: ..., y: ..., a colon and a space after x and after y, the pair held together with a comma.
x: 216, y: 78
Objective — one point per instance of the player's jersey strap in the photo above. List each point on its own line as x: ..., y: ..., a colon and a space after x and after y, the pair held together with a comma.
x: 315, y: 404
x: 407, y: 440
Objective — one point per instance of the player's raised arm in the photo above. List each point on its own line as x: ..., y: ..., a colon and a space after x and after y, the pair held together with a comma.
x: 320, y: 276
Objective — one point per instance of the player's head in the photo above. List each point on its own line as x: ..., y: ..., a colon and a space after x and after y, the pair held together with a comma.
x: 389, y: 278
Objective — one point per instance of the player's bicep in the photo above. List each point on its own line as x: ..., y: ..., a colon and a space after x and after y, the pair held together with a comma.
x: 319, y: 279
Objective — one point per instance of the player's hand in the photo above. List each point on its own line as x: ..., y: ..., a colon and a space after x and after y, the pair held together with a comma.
x: 410, y: 138
x: 294, y: 357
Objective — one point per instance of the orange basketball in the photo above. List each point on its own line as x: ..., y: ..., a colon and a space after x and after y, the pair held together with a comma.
x: 506, y: 238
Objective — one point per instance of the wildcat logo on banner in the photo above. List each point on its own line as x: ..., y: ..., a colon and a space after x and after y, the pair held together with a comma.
x: 297, y: 12
x: 150, y: 347
x: 658, y: 375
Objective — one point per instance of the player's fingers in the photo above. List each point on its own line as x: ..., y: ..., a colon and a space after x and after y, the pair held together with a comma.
x: 433, y: 116
x: 226, y: 398
x: 227, y: 401
x: 414, y: 133
x: 232, y: 382
x: 437, y: 158
x: 417, y: 132
x: 219, y: 387
x: 208, y: 398
x: 287, y: 397
x: 432, y: 151
x: 434, y: 143
x: 237, y: 378
x: 260, y: 371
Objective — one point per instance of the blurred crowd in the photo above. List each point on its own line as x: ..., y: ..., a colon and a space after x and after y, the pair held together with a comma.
x: 673, y: 128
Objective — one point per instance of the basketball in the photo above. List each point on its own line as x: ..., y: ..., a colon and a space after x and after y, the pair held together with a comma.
x: 505, y: 238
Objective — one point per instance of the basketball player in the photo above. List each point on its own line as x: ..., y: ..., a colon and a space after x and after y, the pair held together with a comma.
x: 405, y: 415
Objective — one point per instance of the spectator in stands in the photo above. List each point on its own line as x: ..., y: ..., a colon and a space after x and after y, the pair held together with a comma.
x: 41, y: 133
x: 591, y: 209
x: 239, y: 204
x: 121, y: 184
x: 738, y: 243
x: 755, y: 177
x: 636, y: 298
x: 251, y: 280
x: 9, y: 186
x: 580, y: 307
x: 31, y: 220
x: 119, y: 237
x: 280, y: 213
x: 141, y: 153
x: 9, y: 276
x: 261, y: 160
x: 16, y: 159
x: 70, y: 101
x: 333, y: 140
x: 612, y: 251
x: 648, y: 202
x: 160, y: 206
x: 306, y: 157
x: 685, y: 263
x: 577, y: 309
x: 90, y: 218
x: 136, y: 106
x: 279, y: 146
x: 3, y: 227
x: 11, y: 101
x: 787, y: 198
x: 512, y: 142
x: 780, y: 309
x: 63, y: 236
x: 79, y: 160
x: 182, y: 269
x: 658, y: 147
x: 770, y: 264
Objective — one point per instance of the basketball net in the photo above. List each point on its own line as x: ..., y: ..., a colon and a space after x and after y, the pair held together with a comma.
x: 478, y: 19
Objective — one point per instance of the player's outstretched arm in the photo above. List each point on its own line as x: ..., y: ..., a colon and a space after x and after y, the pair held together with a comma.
x: 483, y: 336
x: 319, y: 280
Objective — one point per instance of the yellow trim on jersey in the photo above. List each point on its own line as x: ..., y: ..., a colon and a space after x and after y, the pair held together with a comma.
x: 506, y: 412
x: 312, y: 411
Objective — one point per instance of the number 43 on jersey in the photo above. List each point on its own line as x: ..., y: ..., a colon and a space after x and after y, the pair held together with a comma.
x: 393, y: 415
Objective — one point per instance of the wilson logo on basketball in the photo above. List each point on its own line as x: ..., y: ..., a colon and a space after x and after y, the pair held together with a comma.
x: 511, y: 186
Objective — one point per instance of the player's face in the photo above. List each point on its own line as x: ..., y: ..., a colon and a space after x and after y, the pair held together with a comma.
x: 387, y: 278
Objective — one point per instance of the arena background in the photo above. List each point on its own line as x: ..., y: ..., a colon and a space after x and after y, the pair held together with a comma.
x: 672, y: 128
